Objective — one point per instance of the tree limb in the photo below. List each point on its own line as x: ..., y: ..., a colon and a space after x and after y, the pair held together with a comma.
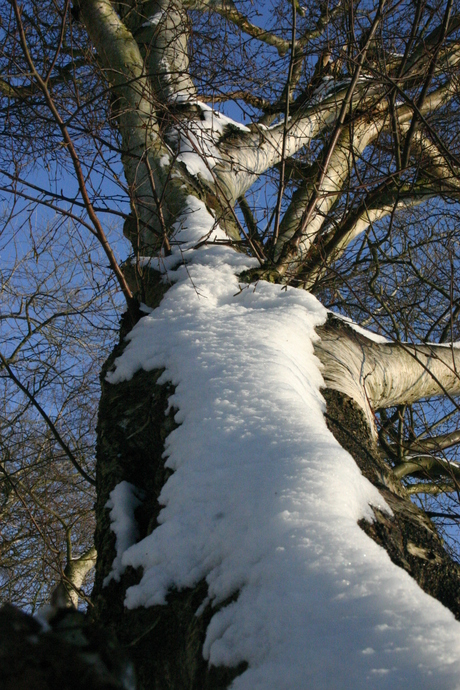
x: 228, y: 10
x: 121, y: 59
x: 378, y: 375
x: 48, y: 421
x: 428, y: 466
x: 75, y: 571
x: 246, y: 156
x: 427, y: 488
x: 434, y: 443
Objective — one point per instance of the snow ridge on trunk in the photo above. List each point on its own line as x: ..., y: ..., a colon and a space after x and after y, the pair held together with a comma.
x: 263, y: 501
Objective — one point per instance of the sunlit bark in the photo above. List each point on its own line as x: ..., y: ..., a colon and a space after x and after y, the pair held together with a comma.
x: 384, y: 375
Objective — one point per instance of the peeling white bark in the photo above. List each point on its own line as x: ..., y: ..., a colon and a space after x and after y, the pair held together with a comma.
x: 248, y: 156
x: 378, y: 375
x: 75, y: 572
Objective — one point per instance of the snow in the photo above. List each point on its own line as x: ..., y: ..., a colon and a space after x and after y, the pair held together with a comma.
x: 198, y: 144
x: 326, y: 88
x: 330, y: 85
x: 165, y: 160
x: 123, y: 501
x: 154, y: 19
x: 370, y: 335
x: 263, y: 502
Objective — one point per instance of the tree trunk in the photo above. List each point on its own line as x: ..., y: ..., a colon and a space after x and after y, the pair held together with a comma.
x: 166, y: 642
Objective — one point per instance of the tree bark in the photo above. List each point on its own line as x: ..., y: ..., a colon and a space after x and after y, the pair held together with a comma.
x: 166, y: 642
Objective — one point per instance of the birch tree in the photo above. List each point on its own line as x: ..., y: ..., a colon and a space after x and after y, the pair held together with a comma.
x: 269, y: 156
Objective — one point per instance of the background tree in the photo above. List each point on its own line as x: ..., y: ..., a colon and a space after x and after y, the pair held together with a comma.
x: 344, y: 182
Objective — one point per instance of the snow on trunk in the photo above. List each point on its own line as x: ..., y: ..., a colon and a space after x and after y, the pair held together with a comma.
x: 263, y: 501
x: 123, y: 501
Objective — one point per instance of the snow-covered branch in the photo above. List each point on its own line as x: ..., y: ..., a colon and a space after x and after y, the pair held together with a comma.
x: 247, y: 156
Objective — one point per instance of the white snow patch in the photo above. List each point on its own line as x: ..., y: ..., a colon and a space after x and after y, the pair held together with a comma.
x: 123, y: 501
x: 154, y: 19
x: 198, y: 144
x: 326, y: 88
x: 195, y: 227
x: 369, y: 334
x: 263, y: 502
x: 455, y: 344
x: 375, y: 337
x: 330, y: 85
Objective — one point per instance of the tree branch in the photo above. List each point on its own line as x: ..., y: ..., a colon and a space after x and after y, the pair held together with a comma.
x: 428, y: 466
x: 426, y: 488
x: 293, y: 249
x: 144, y: 152
x: 48, y: 421
x: 99, y: 231
x: 378, y: 375
x: 246, y: 156
x: 435, y: 443
x: 227, y: 9
x: 75, y: 571
x: 352, y: 142
x: 436, y: 176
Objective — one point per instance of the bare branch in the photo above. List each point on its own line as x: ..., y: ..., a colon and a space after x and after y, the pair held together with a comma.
x: 378, y: 375
x: 427, y: 466
x: 435, y: 443
x: 48, y: 421
x: 428, y: 488
x: 227, y: 9
x: 75, y: 160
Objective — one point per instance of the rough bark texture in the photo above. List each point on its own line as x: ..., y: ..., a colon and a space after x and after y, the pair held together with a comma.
x: 69, y: 654
x: 164, y: 642
x: 409, y: 537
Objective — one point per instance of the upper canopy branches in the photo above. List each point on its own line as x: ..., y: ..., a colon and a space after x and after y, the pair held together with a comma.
x: 361, y: 86
x: 369, y: 94
x: 357, y: 94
